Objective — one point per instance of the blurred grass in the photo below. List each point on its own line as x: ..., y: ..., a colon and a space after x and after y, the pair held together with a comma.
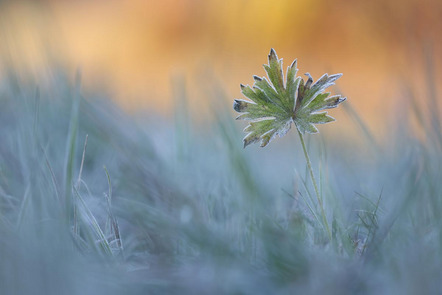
x: 195, y: 213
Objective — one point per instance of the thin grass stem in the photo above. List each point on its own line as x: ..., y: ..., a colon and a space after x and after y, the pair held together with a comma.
x: 309, y: 165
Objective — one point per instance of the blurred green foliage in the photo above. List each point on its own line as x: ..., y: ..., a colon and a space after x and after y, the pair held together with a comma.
x: 183, y: 209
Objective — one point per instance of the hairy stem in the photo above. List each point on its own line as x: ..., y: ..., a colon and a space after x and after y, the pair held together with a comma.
x: 312, y: 176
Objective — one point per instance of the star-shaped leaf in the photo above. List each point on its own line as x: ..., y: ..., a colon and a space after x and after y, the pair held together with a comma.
x: 275, y: 105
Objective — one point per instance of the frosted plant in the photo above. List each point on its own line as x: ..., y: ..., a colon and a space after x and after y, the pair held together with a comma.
x: 276, y: 104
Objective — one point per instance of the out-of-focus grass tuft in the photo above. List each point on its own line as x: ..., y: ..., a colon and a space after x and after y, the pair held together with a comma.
x: 183, y: 209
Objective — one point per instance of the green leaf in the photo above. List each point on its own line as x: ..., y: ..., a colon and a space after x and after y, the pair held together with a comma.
x: 275, y: 104
x: 311, y: 100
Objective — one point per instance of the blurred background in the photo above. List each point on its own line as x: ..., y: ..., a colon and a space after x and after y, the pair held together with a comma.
x: 181, y: 207
x: 139, y: 49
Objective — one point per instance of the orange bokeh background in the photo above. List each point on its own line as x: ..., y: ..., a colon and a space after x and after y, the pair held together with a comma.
x: 137, y: 49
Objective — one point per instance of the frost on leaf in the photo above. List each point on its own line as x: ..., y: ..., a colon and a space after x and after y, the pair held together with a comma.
x: 275, y: 104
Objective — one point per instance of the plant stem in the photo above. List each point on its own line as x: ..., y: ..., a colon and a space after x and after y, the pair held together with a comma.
x: 309, y: 165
